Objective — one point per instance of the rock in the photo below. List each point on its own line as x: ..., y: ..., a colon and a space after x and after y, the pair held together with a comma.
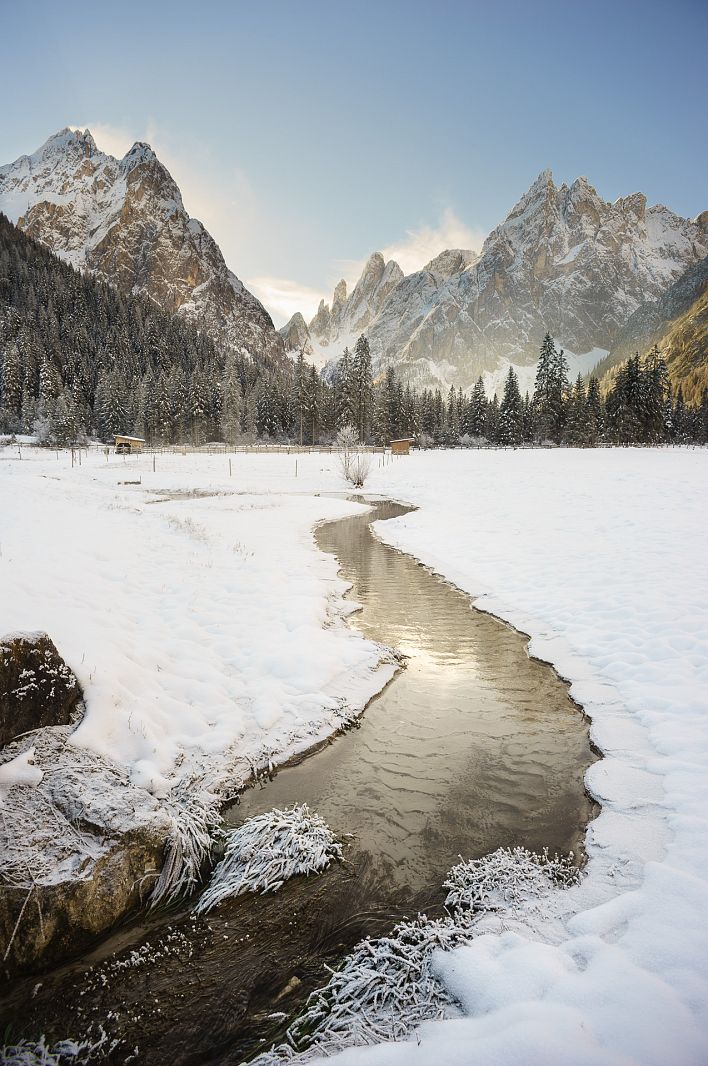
x: 296, y: 336
x: 37, y: 688
x: 78, y: 852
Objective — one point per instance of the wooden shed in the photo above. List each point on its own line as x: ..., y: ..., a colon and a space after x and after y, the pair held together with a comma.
x: 402, y: 446
x: 128, y: 444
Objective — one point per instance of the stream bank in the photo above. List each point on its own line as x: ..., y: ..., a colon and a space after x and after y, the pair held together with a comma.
x: 473, y: 746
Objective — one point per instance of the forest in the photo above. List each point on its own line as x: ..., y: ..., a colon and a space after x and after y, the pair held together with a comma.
x: 78, y: 360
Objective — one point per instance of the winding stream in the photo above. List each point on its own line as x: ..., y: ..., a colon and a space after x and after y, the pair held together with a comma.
x: 472, y: 746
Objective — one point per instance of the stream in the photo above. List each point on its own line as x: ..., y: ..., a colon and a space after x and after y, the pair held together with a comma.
x: 471, y: 747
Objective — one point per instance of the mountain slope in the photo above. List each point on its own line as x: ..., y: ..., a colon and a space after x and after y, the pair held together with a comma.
x: 563, y: 261
x: 678, y: 323
x: 124, y: 220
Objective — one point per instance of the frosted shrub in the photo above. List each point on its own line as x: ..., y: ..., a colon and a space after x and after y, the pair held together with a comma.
x: 354, y: 466
x: 39, y: 1053
x: 508, y: 879
x: 264, y: 852
x: 387, y: 987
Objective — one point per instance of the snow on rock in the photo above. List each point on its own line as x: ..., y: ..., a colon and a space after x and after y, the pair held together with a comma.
x: 266, y: 851
x: 19, y: 771
x: 564, y: 260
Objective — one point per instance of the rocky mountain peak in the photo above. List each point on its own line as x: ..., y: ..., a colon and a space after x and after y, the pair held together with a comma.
x: 451, y: 261
x: 124, y: 221
x: 139, y: 153
x: 340, y: 294
x: 67, y: 141
x: 296, y: 335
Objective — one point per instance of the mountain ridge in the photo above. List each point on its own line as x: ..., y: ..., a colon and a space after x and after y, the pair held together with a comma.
x: 125, y: 222
x: 563, y: 260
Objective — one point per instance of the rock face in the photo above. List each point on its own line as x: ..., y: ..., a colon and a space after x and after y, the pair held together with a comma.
x: 37, y: 688
x: 349, y: 316
x: 678, y: 323
x: 124, y: 220
x: 296, y: 336
x: 564, y: 260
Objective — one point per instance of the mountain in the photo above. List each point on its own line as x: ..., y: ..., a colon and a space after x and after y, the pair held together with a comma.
x: 338, y: 326
x: 678, y: 323
x: 564, y: 260
x: 124, y: 221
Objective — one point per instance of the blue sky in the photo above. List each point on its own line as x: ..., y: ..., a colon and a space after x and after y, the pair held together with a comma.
x: 306, y: 135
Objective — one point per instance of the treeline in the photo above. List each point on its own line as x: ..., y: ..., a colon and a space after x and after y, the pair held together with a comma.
x: 79, y: 360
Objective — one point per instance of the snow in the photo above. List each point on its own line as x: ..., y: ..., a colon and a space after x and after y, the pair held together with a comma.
x: 207, y: 629
x: 582, y: 363
x: 19, y: 771
x: 207, y: 632
x: 600, y: 556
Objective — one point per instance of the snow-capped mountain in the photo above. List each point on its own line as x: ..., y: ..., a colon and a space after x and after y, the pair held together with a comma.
x: 563, y: 261
x: 124, y: 220
x: 350, y: 314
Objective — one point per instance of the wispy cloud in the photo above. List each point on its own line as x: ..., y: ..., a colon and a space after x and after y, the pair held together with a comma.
x: 421, y: 245
x: 283, y: 297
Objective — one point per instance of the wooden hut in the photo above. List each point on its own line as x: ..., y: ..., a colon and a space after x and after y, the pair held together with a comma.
x: 402, y: 446
x: 126, y: 444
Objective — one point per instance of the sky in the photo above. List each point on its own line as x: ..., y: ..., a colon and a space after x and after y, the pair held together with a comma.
x: 306, y: 135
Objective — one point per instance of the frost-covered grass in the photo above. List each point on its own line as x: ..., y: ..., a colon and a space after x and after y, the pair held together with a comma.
x: 195, y: 824
x: 388, y: 986
x: 509, y: 880
x: 61, y: 1053
x: 266, y: 851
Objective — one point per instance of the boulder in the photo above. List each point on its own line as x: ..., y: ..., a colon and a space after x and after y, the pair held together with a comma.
x: 37, y: 688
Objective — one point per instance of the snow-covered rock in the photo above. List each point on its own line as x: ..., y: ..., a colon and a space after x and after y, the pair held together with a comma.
x: 124, y: 220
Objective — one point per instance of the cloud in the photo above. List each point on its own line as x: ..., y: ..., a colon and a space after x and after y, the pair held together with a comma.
x: 283, y: 298
x: 421, y: 245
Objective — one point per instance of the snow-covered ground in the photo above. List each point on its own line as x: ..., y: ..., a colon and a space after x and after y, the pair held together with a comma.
x: 209, y: 624
x: 601, y: 557
x: 204, y: 631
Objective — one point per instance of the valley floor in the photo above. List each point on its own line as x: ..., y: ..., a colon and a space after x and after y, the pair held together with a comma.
x: 205, y: 627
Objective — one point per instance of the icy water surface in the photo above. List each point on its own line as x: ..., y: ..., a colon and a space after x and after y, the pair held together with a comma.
x: 470, y: 747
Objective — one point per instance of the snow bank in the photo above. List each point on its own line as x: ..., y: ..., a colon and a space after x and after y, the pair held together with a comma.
x: 600, y: 556
x: 266, y: 851
x: 206, y: 629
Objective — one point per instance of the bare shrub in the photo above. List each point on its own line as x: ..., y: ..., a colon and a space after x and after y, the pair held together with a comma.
x: 354, y: 465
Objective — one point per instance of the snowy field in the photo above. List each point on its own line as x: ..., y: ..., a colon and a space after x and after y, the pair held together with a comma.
x: 207, y: 633
x: 601, y: 557
x: 206, y: 626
